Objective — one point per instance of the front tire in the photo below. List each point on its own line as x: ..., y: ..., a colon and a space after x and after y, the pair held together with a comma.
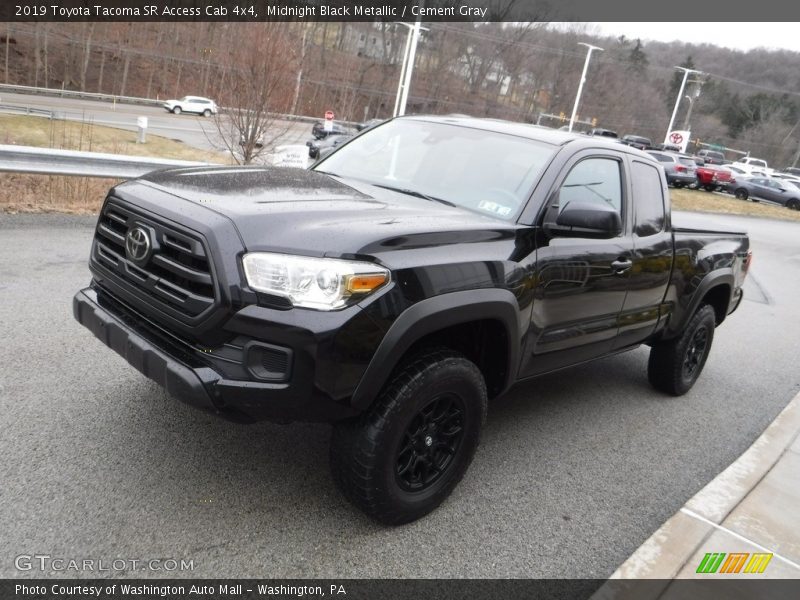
x: 176, y: 110
x: 406, y: 454
x: 676, y: 364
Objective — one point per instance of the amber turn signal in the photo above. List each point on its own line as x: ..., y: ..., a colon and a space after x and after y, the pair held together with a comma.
x: 358, y: 284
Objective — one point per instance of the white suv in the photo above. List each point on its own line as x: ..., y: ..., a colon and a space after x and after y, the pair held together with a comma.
x: 192, y: 104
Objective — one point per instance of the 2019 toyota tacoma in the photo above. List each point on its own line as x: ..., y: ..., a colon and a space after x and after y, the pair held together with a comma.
x: 402, y: 282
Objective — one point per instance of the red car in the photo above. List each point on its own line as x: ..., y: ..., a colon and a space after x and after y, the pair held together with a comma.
x: 711, y: 178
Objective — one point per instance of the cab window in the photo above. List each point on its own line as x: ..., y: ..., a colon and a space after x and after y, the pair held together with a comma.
x: 593, y: 180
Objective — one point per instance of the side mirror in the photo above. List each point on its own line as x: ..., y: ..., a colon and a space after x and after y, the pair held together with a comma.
x: 587, y: 219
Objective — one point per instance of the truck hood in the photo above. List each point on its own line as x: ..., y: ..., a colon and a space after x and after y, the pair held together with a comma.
x: 305, y: 212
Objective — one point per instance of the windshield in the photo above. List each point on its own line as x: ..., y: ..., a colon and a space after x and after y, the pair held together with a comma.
x: 485, y: 171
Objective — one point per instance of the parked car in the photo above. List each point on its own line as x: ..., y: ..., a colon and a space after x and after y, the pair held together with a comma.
x: 318, y: 130
x: 369, y: 124
x: 250, y: 135
x: 318, y: 148
x: 636, y: 141
x: 714, y: 177
x: 680, y: 170
x: 774, y: 190
x: 603, y: 132
x: 792, y: 171
x: 793, y: 179
x: 192, y: 104
x: 743, y: 173
x: 421, y: 269
x: 711, y: 157
x: 753, y: 166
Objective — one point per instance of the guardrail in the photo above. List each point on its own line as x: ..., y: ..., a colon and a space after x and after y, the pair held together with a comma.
x: 26, y: 89
x: 27, y: 110
x: 47, y: 161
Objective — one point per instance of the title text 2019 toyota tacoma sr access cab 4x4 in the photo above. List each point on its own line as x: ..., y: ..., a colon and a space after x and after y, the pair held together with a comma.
x: 421, y: 269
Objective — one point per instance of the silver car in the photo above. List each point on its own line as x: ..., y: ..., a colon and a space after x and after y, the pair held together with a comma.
x: 773, y: 190
x: 681, y: 170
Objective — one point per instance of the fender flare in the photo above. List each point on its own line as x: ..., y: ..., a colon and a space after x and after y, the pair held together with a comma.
x: 431, y: 315
x: 710, y: 281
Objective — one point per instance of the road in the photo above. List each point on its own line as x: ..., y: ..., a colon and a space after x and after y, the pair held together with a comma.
x: 193, y: 130
x: 574, y: 472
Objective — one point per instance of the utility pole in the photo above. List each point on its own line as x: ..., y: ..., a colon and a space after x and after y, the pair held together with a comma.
x: 678, y: 99
x: 590, y: 48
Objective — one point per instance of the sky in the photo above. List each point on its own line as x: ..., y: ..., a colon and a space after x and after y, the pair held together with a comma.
x: 738, y: 36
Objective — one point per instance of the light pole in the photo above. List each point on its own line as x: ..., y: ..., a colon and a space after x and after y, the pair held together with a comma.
x: 678, y: 99
x: 583, y: 79
x: 691, y: 99
x: 409, y: 54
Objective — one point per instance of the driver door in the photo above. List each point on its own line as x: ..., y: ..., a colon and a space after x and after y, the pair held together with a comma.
x: 581, y: 280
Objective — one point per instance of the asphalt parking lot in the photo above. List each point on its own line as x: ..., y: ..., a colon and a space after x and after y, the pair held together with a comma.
x: 575, y: 469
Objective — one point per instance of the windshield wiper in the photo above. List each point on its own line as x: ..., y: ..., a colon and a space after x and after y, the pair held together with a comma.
x: 414, y: 193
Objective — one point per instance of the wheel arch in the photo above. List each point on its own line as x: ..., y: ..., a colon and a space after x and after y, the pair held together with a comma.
x: 450, y: 319
x: 716, y: 290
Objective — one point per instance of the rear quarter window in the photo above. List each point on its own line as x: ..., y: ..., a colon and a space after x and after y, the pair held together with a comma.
x: 648, y: 199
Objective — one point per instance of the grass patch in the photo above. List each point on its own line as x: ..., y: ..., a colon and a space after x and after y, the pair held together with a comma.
x: 702, y: 201
x: 22, y: 192
x: 88, y: 137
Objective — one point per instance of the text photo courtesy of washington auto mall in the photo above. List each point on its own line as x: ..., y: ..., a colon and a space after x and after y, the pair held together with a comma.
x: 404, y: 299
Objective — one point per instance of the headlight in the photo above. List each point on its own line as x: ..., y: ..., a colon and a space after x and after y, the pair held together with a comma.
x: 320, y: 283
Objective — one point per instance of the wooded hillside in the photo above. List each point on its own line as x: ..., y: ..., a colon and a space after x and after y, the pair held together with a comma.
x: 745, y: 100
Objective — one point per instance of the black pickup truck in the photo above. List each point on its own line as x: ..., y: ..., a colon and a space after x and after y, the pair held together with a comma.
x: 399, y: 284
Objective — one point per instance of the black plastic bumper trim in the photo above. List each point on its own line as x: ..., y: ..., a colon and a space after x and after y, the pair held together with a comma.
x: 176, y: 378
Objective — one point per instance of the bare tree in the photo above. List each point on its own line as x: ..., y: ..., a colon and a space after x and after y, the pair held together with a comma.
x: 260, y: 84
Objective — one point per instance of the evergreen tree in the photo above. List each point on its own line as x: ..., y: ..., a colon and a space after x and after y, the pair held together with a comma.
x: 637, y: 59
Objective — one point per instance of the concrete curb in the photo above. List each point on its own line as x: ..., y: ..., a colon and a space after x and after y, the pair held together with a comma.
x: 667, y: 551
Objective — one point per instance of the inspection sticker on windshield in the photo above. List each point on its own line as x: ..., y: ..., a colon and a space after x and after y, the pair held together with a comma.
x: 495, y: 208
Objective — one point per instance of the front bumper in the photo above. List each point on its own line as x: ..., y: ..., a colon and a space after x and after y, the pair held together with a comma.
x: 195, y: 383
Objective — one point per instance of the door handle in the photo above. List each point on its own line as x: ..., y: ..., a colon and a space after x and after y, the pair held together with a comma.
x: 620, y: 266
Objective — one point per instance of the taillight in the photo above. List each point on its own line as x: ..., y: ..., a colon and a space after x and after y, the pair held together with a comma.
x: 680, y: 168
x: 747, y: 262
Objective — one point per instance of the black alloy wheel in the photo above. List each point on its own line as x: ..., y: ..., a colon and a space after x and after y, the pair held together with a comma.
x: 695, y: 352
x: 430, y: 442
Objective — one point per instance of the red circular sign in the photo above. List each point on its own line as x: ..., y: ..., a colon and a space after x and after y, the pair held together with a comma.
x: 676, y: 138
x: 329, y: 115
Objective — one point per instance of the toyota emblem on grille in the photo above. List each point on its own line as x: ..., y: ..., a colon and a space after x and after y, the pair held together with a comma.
x: 137, y: 244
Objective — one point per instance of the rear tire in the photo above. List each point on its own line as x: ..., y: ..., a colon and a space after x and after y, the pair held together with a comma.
x: 207, y: 113
x: 793, y: 204
x: 741, y: 194
x: 675, y: 364
x: 709, y: 188
x: 176, y: 110
x: 406, y: 454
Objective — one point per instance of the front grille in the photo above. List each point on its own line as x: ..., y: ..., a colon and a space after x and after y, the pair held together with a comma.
x: 175, y: 275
